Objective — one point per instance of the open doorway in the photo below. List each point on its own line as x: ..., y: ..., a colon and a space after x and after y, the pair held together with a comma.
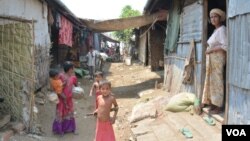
x: 216, y: 92
x: 221, y: 4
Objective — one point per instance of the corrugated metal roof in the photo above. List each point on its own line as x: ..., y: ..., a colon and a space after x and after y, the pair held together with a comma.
x: 60, y: 7
x: 155, y: 5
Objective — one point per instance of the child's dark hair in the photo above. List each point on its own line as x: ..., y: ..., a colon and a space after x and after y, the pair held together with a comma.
x: 104, y: 82
x: 67, y: 66
x: 53, y: 73
x: 99, y: 73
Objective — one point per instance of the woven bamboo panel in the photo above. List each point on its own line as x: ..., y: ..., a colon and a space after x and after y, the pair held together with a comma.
x: 16, y: 66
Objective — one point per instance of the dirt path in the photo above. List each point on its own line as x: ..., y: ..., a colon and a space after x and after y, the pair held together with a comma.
x: 127, y: 82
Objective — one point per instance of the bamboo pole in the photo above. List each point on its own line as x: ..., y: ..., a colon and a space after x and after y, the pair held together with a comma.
x: 16, y: 19
x: 32, y: 98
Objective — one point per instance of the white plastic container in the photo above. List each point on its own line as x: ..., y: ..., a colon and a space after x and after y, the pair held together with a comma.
x: 128, y: 61
x: 53, y: 97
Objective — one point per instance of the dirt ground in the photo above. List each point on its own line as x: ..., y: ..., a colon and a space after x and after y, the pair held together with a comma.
x: 127, y: 82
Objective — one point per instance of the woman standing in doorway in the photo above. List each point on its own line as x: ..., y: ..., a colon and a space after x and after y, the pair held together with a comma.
x: 213, y: 93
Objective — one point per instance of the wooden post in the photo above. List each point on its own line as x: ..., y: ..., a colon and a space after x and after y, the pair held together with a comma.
x: 32, y: 96
x: 204, y: 43
x: 227, y: 74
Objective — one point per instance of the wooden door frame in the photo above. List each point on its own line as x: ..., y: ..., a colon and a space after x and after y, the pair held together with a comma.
x: 227, y: 83
x: 204, y: 44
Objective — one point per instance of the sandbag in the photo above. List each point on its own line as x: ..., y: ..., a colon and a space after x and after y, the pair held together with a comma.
x: 142, y: 111
x: 181, y: 102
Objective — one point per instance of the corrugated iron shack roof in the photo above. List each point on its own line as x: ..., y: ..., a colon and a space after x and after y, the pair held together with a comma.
x: 62, y: 9
x: 155, y: 5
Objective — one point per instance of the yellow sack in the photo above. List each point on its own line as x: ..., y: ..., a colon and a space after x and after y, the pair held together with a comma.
x: 181, y: 102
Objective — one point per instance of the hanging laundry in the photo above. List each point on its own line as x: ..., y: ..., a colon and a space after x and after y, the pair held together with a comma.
x: 90, y: 39
x: 65, y: 32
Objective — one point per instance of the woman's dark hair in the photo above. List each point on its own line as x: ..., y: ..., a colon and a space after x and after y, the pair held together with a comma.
x: 53, y: 73
x: 67, y: 66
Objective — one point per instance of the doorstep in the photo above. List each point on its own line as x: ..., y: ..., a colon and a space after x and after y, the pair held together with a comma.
x: 218, y: 117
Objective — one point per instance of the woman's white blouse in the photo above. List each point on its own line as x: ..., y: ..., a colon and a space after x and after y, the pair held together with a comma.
x: 218, y: 38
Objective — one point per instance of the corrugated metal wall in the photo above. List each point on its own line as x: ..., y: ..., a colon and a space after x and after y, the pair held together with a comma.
x: 238, y: 62
x: 190, y: 28
x: 238, y: 107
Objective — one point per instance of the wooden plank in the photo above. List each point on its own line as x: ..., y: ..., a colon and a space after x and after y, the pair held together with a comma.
x: 176, y: 123
x: 162, y: 131
x: 125, y: 23
x: 204, y: 43
x: 202, y: 127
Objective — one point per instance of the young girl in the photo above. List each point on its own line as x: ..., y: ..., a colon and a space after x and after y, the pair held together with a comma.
x: 95, y: 87
x: 65, y: 121
x: 104, y: 129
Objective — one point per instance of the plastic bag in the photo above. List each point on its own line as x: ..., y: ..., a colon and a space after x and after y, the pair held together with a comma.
x: 53, y: 97
x: 78, y: 92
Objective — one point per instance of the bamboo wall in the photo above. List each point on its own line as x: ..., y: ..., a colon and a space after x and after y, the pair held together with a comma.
x: 16, y: 68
